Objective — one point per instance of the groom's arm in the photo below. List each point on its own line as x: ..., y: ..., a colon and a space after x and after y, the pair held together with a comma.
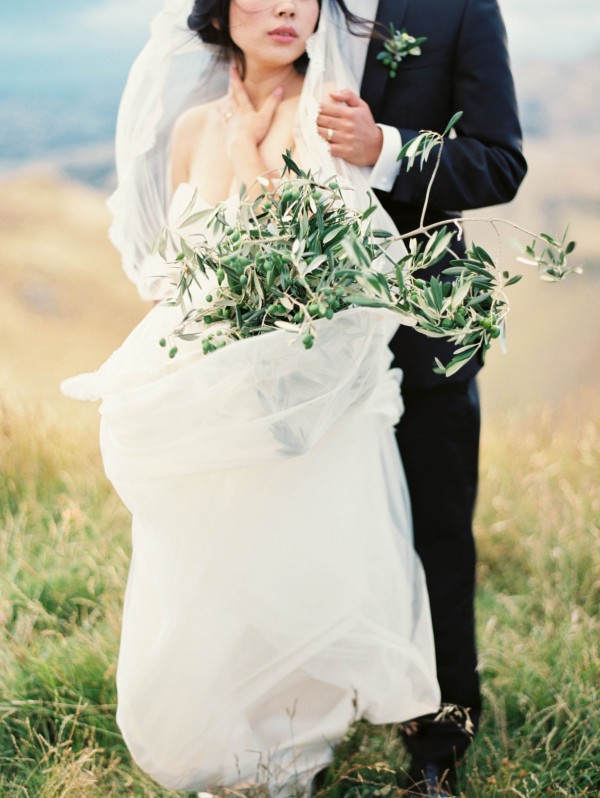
x: 484, y: 164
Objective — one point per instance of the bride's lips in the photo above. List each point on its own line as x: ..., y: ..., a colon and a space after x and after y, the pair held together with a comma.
x: 284, y: 34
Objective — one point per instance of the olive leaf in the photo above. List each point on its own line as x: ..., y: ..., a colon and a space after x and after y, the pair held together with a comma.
x: 299, y: 253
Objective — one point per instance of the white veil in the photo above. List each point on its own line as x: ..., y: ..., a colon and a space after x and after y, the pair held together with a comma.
x: 176, y: 71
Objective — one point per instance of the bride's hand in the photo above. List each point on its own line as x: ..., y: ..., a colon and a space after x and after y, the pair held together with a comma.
x: 244, y: 122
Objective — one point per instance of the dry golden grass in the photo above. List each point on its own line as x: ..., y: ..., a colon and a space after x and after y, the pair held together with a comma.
x: 64, y: 304
x: 553, y: 329
x: 64, y: 555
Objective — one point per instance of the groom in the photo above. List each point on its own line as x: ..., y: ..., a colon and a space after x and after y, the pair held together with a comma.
x: 464, y: 67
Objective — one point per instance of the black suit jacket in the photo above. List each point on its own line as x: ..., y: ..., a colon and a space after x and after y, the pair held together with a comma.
x: 464, y: 66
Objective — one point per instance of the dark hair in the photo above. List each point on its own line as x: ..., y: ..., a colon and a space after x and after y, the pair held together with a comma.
x: 206, y: 13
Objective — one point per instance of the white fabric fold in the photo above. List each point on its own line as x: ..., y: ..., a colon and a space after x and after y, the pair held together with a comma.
x: 273, y: 579
x: 273, y: 584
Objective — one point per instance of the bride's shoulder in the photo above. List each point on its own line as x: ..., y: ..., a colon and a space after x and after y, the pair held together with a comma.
x: 196, y: 119
x: 190, y: 132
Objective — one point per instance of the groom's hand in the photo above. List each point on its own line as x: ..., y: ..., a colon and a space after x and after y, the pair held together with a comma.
x: 348, y: 125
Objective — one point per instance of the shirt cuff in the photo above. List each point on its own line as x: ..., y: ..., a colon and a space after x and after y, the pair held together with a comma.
x: 386, y: 170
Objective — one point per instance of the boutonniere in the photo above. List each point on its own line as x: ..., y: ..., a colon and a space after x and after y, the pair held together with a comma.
x: 397, y: 47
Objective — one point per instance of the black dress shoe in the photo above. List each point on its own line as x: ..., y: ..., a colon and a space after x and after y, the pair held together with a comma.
x: 431, y: 779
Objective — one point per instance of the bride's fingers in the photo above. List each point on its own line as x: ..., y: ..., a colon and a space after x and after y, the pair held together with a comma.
x: 235, y: 101
x: 242, y: 113
x: 238, y: 92
x: 270, y: 106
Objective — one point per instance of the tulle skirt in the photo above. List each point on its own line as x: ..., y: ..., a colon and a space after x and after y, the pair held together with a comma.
x: 274, y: 594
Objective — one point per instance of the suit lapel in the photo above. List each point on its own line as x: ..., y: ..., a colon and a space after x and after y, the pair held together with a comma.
x: 376, y: 74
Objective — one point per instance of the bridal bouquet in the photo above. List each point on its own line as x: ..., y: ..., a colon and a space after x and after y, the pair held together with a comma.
x: 300, y: 253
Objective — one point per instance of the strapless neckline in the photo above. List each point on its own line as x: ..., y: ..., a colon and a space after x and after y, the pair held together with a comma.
x: 191, y: 188
x: 182, y: 188
x: 182, y: 197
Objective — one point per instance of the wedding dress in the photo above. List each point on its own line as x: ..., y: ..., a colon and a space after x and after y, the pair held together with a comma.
x: 274, y: 594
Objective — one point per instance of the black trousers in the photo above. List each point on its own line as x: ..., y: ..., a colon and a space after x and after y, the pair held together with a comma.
x: 438, y: 437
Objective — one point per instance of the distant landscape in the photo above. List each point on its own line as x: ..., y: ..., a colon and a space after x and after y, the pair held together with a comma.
x: 71, y: 130
x: 61, y: 278
x: 61, y: 79
x: 70, y: 134
x: 65, y: 303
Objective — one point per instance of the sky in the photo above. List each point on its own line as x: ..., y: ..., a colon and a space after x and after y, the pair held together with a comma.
x: 59, y: 44
x: 63, y: 65
x: 561, y: 29
x: 66, y: 42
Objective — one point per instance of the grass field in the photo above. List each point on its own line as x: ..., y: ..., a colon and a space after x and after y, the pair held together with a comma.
x: 64, y: 545
x: 64, y: 536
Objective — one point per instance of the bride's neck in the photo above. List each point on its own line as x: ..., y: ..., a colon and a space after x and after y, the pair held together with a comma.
x: 261, y: 83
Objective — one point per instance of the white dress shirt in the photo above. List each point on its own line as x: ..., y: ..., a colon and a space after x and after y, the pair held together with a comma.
x: 386, y: 170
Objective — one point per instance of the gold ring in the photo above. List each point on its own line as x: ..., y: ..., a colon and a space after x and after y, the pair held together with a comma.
x: 329, y: 134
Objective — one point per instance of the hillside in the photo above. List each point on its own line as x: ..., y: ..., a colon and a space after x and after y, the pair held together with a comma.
x: 553, y: 329
x: 66, y: 304
x: 558, y: 98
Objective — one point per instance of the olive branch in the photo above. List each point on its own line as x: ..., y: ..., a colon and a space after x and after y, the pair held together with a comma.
x: 300, y: 253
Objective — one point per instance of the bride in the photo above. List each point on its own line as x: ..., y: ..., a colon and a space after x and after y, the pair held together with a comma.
x: 274, y: 594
